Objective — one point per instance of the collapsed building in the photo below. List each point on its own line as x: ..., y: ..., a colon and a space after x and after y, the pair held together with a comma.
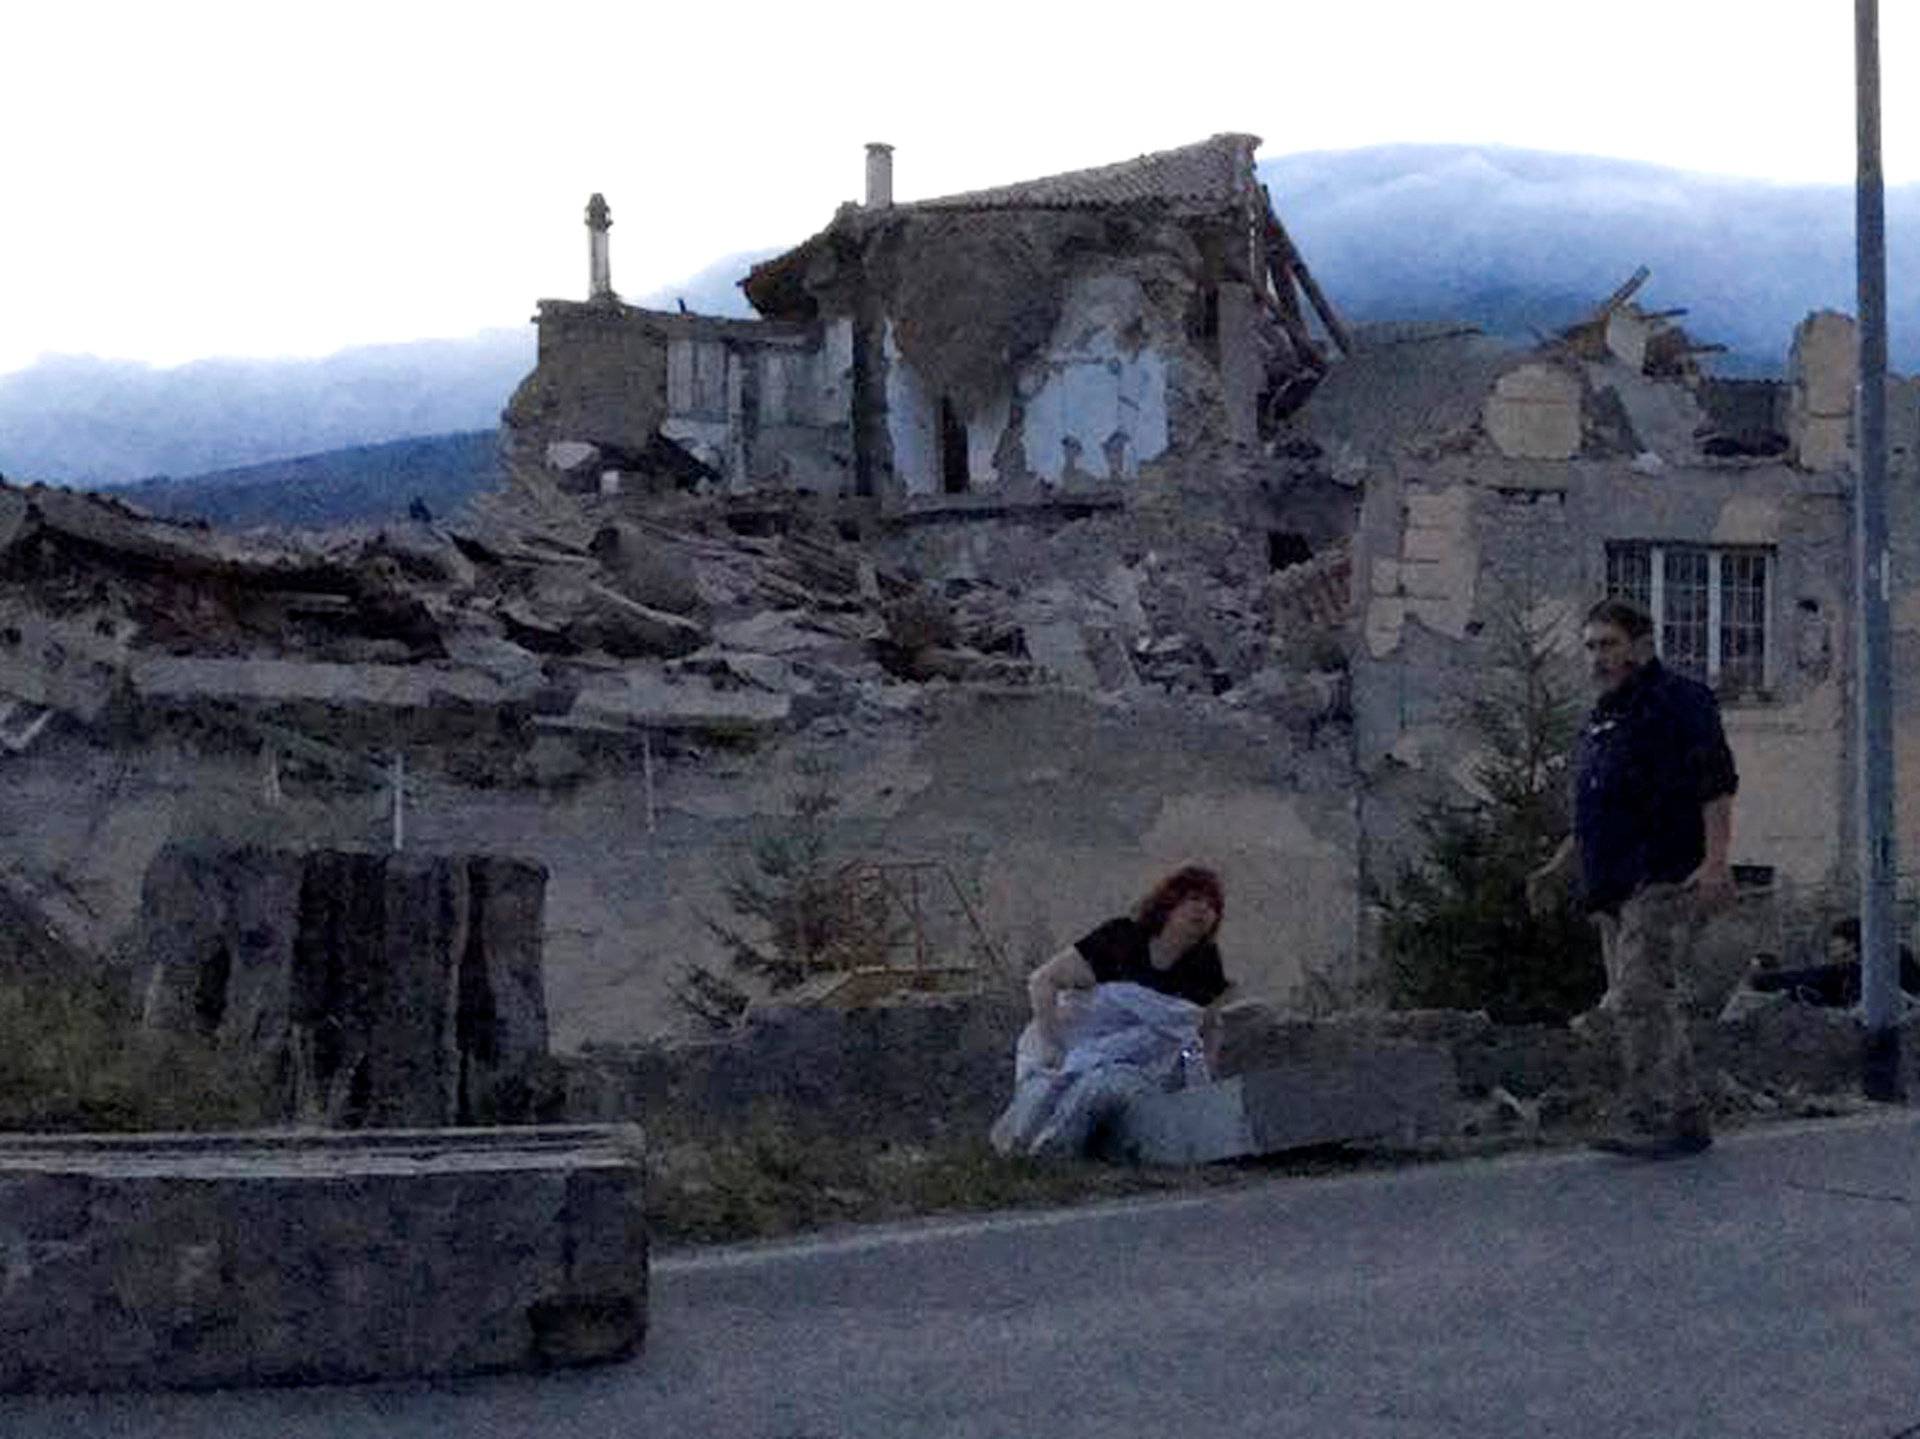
x: 1506, y: 489
x: 1062, y: 525
x: 1053, y: 335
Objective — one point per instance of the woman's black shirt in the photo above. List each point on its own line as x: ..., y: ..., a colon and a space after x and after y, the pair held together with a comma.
x: 1117, y: 951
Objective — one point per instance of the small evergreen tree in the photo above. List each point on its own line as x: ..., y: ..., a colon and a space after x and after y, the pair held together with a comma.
x: 802, y: 913
x: 1458, y: 933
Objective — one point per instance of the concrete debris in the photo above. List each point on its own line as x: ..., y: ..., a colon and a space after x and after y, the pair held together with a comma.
x: 626, y: 628
x: 646, y: 569
x: 20, y: 724
x: 636, y: 699
x: 176, y: 680
x: 1394, y: 1091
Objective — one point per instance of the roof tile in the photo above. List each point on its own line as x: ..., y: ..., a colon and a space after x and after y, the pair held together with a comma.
x: 1213, y: 172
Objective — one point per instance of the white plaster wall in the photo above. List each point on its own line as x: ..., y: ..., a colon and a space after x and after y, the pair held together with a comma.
x: 1091, y: 386
x: 696, y: 378
x: 913, y: 424
x: 679, y: 377
x: 984, y: 433
x: 834, y: 379
x: 776, y: 386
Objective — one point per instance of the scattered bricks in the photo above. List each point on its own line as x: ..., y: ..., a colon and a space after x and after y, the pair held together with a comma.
x: 628, y: 629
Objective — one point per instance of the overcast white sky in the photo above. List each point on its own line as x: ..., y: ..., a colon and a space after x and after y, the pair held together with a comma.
x: 281, y: 177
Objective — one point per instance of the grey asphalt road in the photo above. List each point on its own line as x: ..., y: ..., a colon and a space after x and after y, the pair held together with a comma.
x: 1771, y: 1287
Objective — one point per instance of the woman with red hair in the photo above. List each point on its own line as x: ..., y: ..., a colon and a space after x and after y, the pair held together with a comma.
x: 1166, y: 944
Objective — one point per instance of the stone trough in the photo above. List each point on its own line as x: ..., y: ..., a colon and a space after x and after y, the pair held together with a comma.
x: 189, y: 1261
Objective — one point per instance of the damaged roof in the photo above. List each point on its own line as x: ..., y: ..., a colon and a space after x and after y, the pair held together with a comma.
x: 1215, y: 172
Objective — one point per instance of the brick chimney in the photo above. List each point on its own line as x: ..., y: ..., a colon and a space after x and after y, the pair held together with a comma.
x: 599, y: 271
x: 879, y: 176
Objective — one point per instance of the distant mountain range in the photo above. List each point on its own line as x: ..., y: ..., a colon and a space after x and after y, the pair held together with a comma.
x: 1518, y: 242
x: 1521, y: 242
x: 363, y: 483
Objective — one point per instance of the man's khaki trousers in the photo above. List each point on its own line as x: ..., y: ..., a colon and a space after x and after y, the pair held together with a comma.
x: 1648, y: 948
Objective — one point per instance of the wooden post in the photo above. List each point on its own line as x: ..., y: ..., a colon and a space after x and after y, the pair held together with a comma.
x: 399, y: 781
x: 646, y: 767
x: 1297, y: 267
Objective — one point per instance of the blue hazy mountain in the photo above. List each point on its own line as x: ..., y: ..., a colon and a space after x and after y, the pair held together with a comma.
x: 363, y: 483
x: 89, y: 421
x: 1518, y: 242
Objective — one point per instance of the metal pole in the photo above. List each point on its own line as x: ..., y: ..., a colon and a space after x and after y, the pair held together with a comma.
x: 1880, y: 990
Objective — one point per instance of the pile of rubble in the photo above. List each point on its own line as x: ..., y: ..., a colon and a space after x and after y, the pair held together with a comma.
x: 593, y: 615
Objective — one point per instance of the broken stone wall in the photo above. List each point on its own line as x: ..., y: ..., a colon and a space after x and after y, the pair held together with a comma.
x: 1823, y: 374
x: 1511, y: 510
x: 1446, y: 545
x: 765, y: 406
x: 759, y: 403
x: 600, y: 378
x: 1824, y: 381
x: 1036, y: 348
x: 1090, y: 407
x: 1053, y: 810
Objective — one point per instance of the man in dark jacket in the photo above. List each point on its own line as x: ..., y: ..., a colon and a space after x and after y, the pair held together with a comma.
x: 1653, y: 825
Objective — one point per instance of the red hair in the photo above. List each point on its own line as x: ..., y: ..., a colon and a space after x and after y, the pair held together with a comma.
x: 1184, y: 883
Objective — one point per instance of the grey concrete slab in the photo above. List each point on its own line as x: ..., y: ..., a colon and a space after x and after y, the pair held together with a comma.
x: 1397, y: 1090
x: 1762, y: 1290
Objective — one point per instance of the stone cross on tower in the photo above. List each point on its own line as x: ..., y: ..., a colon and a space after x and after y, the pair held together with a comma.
x: 599, y: 271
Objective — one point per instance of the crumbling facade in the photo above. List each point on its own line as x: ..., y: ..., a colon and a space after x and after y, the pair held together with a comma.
x: 1040, y: 518
x: 1050, y: 712
x: 1053, y: 335
x: 1501, y: 484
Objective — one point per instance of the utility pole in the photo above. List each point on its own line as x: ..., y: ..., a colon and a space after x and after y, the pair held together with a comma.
x: 1879, y: 973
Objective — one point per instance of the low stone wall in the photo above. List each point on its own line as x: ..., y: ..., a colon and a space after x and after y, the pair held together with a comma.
x: 911, y: 1072
x: 154, y: 1261
x: 941, y: 1069
x: 1783, y: 1046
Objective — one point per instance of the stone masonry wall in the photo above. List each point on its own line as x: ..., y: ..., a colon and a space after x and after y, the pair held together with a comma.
x: 166, y: 1262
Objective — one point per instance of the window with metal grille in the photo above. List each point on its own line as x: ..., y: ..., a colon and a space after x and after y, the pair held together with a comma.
x: 1709, y: 607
